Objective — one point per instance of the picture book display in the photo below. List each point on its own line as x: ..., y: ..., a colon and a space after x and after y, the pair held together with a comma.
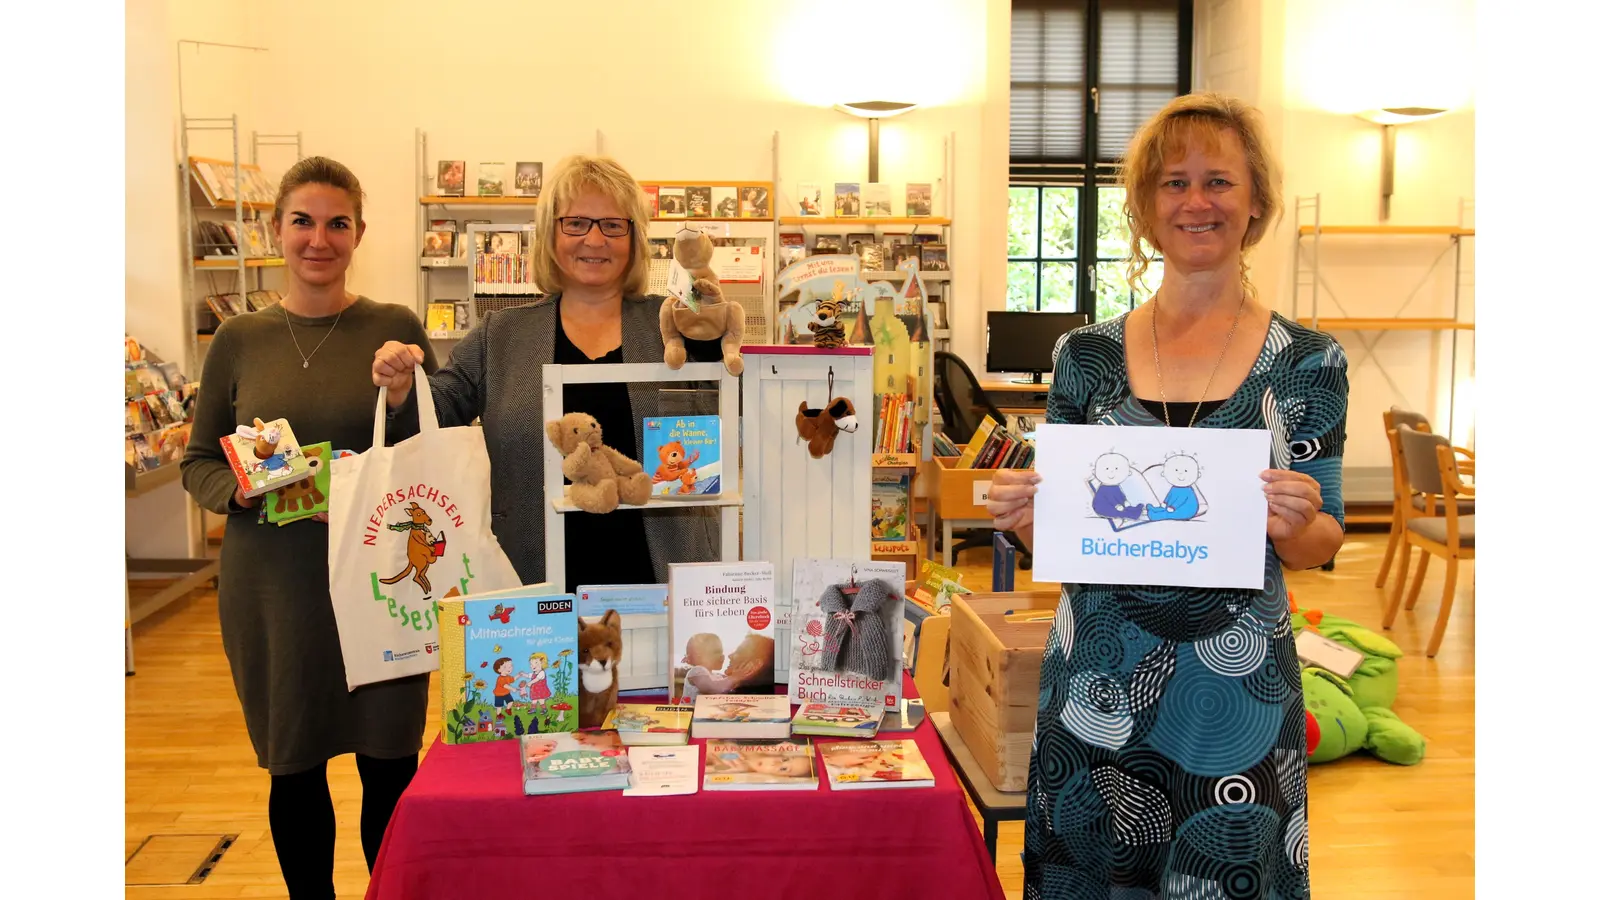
x: 741, y: 716
x: 508, y: 664
x: 683, y: 455
x: 569, y: 762
x: 857, y: 765
x: 650, y: 725
x: 836, y: 721
x: 265, y: 455
x: 760, y: 766
x: 847, y: 627
x: 720, y: 629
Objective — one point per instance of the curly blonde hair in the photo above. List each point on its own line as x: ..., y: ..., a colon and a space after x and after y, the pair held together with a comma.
x: 573, y: 176
x: 1168, y: 135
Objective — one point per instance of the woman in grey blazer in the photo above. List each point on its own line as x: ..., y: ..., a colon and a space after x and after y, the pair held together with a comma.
x: 590, y: 255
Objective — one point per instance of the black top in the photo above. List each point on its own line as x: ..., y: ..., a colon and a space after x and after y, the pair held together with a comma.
x: 1180, y: 412
x: 608, y: 549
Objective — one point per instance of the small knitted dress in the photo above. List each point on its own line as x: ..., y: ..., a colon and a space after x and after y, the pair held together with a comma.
x: 856, y: 638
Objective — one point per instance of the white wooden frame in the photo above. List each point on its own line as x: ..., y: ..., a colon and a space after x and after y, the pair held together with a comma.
x: 641, y: 631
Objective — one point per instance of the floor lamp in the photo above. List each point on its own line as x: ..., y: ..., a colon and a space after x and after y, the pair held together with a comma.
x: 872, y: 111
x: 1389, y: 117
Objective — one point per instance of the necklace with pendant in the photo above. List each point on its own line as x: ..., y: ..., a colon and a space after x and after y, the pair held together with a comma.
x: 305, y: 361
x: 1155, y: 347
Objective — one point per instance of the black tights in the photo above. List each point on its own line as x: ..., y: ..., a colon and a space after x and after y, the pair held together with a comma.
x: 300, y: 811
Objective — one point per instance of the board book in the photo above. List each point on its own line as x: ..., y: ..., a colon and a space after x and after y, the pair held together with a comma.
x: 508, y: 664
x: 568, y: 762
x: 683, y: 455
x: 264, y: 457
x: 760, y: 766
x: 306, y: 498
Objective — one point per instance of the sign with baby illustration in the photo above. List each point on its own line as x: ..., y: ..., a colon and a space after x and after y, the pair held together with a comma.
x: 1162, y: 506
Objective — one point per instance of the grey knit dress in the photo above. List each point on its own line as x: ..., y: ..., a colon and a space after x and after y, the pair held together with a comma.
x: 278, y: 629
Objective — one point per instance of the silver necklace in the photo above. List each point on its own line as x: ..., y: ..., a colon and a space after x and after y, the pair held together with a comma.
x: 1155, y: 346
x: 305, y: 361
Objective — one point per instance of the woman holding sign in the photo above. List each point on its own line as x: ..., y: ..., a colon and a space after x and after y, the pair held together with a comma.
x: 1169, y: 751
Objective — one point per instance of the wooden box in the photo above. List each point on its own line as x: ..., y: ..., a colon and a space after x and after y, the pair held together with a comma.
x: 963, y: 493
x: 996, y: 646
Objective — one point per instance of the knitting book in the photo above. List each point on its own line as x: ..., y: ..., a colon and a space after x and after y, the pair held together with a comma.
x: 566, y: 763
x: 508, y: 664
x: 683, y: 455
x: 265, y: 458
x: 741, y: 716
x: 760, y: 766
x: 721, y: 626
x: 847, y: 650
x: 649, y: 725
x: 837, y: 721
x: 857, y: 765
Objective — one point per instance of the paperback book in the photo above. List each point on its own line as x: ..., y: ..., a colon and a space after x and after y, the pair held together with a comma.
x: 626, y: 599
x: 508, y: 664
x: 686, y: 452
x: 720, y: 629
x: 891, y: 504
x: 820, y: 719
x: 650, y: 725
x: 760, y: 766
x: 570, y: 762
x: 741, y: 716
x: 663, y: 771
x: 264, y: 456
x: 860, y: 765
x: 853, y: 659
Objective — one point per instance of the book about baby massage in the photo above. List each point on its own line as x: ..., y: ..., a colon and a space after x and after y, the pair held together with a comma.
x: 847, y: 647
x: 508, y: 664
x: 720, y: 629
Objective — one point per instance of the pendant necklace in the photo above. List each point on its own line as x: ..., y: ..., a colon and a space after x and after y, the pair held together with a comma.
x: 305, y: 361
x: 1156, y: 348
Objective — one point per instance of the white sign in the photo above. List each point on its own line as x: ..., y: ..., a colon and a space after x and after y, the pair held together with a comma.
x: 980, y: 492
x: 1160, y: 506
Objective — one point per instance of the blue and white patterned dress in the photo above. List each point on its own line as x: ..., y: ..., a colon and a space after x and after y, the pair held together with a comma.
x: 1169, y: 756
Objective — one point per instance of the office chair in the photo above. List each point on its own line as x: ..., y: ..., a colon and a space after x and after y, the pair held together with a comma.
x: 962, y: 405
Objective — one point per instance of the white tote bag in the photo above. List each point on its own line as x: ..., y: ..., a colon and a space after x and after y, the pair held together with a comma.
x: 408, y: 525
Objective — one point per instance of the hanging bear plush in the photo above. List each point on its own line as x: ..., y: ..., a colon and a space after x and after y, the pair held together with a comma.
x: 855, y: 638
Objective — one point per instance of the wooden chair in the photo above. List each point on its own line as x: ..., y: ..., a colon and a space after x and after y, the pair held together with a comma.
x: 1404, y: 496
x: 1440, y: 529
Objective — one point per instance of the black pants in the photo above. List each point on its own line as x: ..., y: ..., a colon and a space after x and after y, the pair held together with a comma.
x: 300, y: 811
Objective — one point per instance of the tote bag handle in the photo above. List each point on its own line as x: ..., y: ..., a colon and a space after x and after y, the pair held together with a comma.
x: 427, y: 416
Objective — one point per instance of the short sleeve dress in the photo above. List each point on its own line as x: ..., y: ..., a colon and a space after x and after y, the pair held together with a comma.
x: 1169, y: 754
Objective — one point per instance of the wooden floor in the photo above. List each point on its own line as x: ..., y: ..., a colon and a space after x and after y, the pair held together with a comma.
x: 1378, y: 832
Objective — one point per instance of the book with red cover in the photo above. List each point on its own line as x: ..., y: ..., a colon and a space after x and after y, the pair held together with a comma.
x: 265, y: 456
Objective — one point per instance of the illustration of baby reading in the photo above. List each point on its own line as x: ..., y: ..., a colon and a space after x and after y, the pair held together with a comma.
x: 534, y: 686
x: 1125, y: 496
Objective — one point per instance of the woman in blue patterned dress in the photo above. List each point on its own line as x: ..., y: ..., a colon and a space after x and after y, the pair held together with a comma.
x: 1169, y: 755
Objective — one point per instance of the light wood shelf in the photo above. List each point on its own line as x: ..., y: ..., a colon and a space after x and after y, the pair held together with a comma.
x: 267, y: 262
x: 1447, y: 230
x: 478, y: 201
x: 1327, y: 323
x: 692, y: 219
x: 865, y: 221
x: 733, y: 184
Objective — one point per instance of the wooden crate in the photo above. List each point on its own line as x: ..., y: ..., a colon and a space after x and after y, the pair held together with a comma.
x: 994, y: 677
x: 960, y: 490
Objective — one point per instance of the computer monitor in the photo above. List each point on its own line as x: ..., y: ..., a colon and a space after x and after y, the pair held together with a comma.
x: 1026, y: 341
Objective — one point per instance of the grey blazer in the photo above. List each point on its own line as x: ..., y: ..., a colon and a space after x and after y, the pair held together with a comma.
x: 496, y: 374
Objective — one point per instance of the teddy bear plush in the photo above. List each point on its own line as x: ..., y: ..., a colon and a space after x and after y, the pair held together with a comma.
x: 717, y: 317
x: 601, y: 477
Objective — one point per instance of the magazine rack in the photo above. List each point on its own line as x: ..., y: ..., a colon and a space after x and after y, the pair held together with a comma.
x: 640, y: 670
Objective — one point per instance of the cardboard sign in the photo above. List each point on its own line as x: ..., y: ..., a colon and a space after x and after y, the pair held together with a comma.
x: 1151, y: 506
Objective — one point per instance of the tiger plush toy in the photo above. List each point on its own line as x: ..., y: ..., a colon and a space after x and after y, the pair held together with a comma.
x: 827, y: 330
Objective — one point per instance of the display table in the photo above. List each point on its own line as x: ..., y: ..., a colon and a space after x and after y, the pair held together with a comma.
x: 464, y: 829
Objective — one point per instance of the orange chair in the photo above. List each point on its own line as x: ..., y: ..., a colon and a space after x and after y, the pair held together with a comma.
x: 1440, y: 529
x: 1403, y: 494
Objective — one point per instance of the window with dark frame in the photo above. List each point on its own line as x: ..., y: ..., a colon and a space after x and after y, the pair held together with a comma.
x: 1084, y: 75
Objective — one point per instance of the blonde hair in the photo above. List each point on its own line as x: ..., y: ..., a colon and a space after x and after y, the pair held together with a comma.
x: 575, y: 175
x: 543, y: 660
x: 1167, y: 136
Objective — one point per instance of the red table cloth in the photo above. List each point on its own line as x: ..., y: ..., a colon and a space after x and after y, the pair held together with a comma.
x: 465, y: 829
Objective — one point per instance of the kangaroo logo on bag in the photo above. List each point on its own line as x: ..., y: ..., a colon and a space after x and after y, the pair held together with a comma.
x: 425, y: 544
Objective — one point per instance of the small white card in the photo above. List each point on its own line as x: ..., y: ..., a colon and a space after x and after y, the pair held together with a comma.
x: 1151, y: 505
x: 680, y: 284
x: 663, y: 771
x: 1314, y: 649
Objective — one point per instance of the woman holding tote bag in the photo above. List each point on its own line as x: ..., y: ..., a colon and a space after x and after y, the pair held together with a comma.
x: 305, y: 360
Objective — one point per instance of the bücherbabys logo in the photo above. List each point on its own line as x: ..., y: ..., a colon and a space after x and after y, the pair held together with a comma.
x: 403, y: 513
x: 1127, y: 496
x: 1152, y: 549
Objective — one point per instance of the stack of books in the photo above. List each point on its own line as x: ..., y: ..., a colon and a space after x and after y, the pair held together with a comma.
x: 993, y: 447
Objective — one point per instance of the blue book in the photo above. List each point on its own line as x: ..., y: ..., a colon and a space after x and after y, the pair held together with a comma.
x: 683, y: 455
x: 508, y: 665
x: 626, y: 599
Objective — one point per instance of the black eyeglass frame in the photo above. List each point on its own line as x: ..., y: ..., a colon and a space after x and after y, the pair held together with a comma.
x: 589, y: 225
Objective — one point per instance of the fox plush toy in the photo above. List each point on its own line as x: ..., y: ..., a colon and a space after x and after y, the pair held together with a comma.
x: 599, y: 654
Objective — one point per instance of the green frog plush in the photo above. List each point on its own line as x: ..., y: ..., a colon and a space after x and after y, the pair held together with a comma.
x: 1346, y: 726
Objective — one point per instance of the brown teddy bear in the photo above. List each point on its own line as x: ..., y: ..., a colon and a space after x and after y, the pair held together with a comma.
x: 601, y: 477
x: 717, y: 317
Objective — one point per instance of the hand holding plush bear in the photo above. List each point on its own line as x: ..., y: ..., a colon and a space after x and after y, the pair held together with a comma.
x: 717, y: 316
x: 601, y: 477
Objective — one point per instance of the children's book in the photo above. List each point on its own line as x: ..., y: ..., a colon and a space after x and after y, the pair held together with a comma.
x: 741, y: 716
x: 303, y: 499
x: 761, y: 766
x: 508, y: 664
x: 938, y: 585
x: 568, y: 762
x: 891, y: 504
x: 683, y: 455
x: 822, y: 669
x: 649, y: 724
x: 264, y: 456
x: 837, y: 721
x: 720, y: 629
x: 626, y: 599
x: 859, y: 765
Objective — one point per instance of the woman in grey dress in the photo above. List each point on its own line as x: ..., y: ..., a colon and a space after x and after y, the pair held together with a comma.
x: 304, y: 360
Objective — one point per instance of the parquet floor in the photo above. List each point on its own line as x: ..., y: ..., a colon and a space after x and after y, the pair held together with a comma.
x: 1378, y: 832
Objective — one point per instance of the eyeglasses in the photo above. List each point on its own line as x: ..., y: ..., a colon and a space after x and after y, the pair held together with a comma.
x: 578, y: 226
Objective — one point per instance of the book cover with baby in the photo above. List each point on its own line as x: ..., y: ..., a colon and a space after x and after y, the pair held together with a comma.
x: 565, y: 763
x: 847, y: 638
x: 265, y: 456
x: 760, y: 765
x: 720, y: 629
x: 649, y: 724
x: 508, y: 664
x: 875, y: 764
x: 683, y: 455
x: 740, y: 716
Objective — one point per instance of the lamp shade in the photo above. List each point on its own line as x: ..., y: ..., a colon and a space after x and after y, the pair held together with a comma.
x: 1401, y: 115
x: 875, y: 109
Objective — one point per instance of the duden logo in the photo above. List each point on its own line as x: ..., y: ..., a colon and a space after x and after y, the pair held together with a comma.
x: 406, y: 513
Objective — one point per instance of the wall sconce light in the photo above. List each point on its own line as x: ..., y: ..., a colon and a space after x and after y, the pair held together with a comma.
x: 1389, y: 117
x: 872, y: 111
